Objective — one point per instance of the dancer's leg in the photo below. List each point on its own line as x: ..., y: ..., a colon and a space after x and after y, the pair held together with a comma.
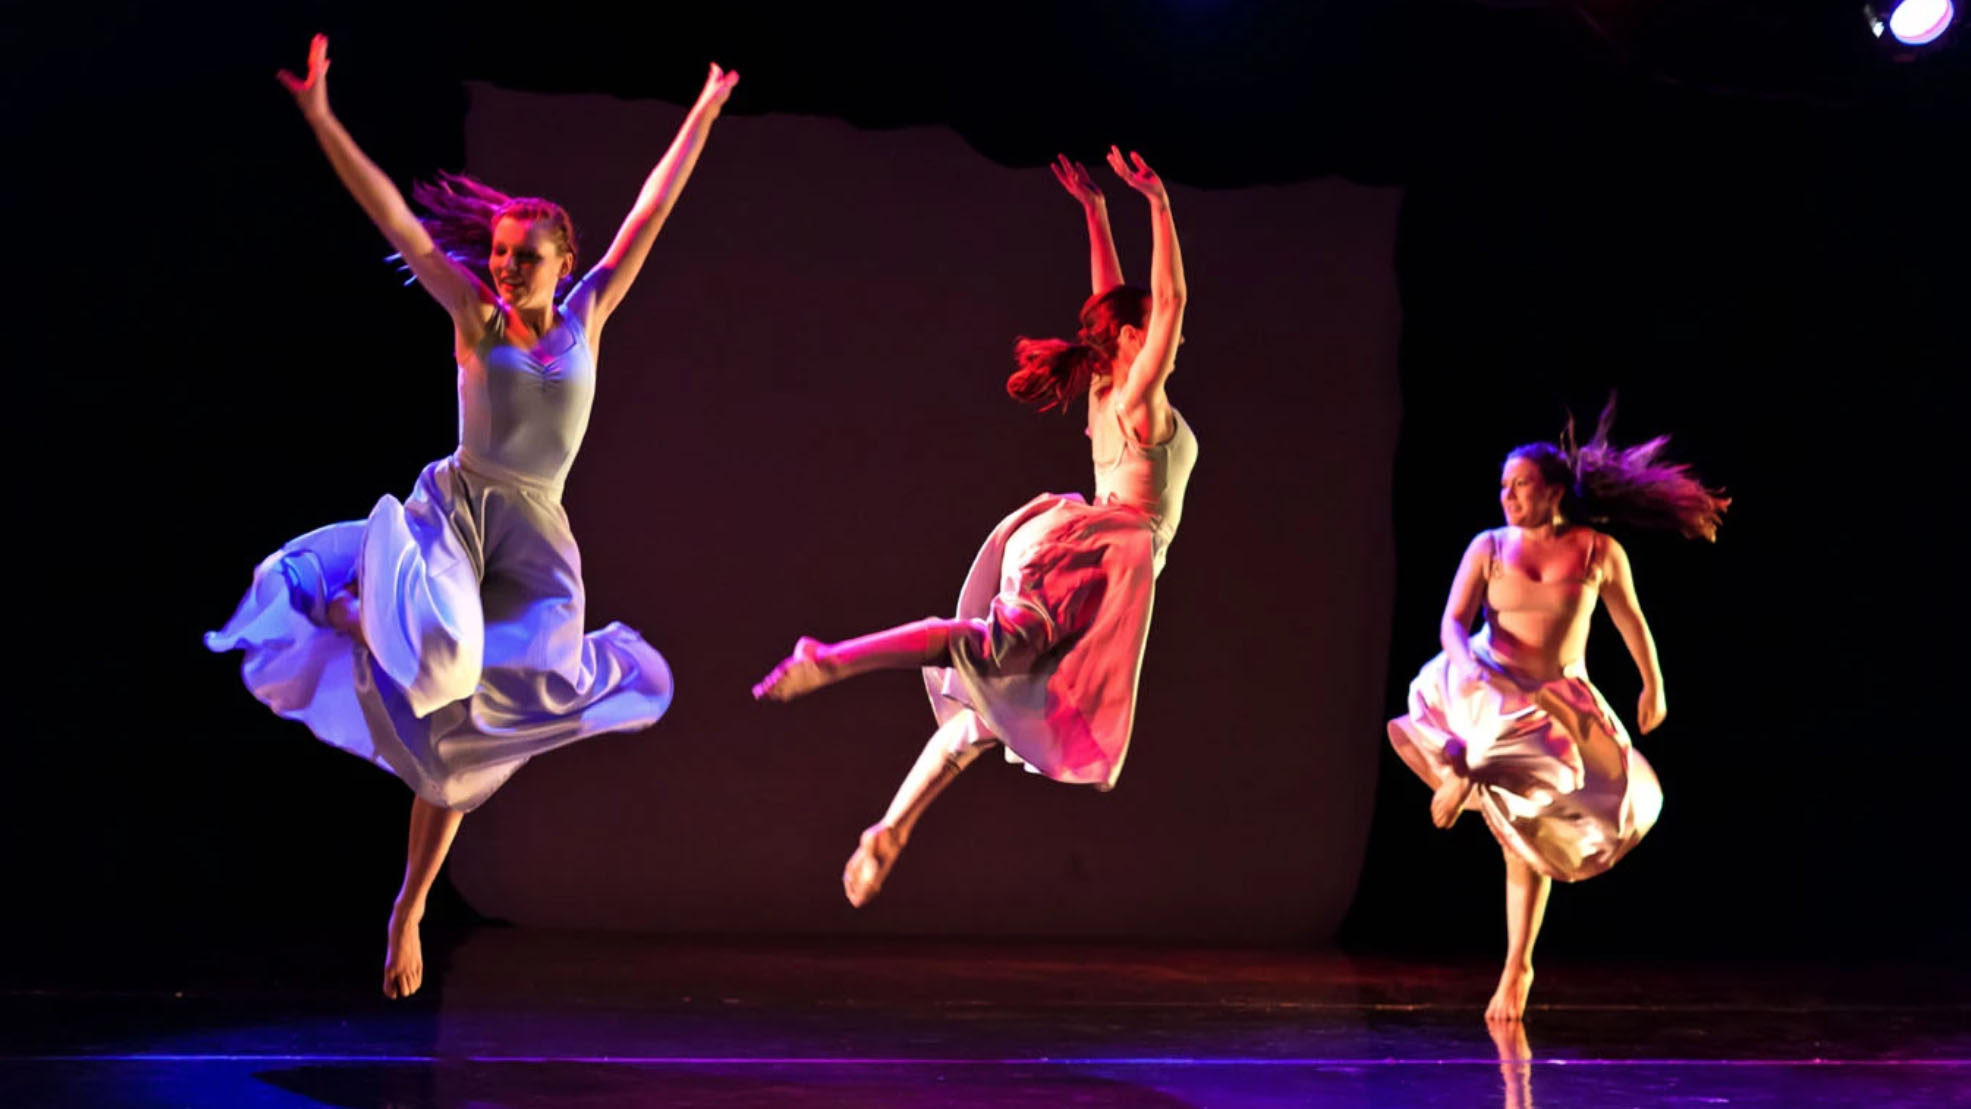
x: 815, y: 664
x: 950, y: 750
x: 1526, y: 907
x: 432, y: 829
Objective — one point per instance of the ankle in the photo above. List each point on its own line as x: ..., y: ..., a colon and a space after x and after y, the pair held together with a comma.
x: 828, y: 659
x: 407, y: 910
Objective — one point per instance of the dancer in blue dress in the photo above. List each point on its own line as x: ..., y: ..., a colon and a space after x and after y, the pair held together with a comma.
x: 443, y: 637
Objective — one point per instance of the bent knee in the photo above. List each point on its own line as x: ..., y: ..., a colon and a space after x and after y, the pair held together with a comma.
x: 954, y: 637
x: 964, y: 736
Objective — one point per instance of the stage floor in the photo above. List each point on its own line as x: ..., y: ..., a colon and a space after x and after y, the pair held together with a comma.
x: 528, y: 1018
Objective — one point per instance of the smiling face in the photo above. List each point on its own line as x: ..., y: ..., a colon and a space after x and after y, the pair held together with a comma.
x: 527, y: 262
x: 1527, y: 498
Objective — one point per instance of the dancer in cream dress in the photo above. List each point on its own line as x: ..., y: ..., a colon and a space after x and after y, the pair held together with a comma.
x: 1505, y: 721
x: 1044, y: 652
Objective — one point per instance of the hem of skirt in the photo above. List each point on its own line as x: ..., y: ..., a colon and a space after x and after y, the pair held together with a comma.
x: 1510, y: 839
x: 947, y: 701
x: 1411, y: 752
x: 1403, y: 739
x: 1507, y: 836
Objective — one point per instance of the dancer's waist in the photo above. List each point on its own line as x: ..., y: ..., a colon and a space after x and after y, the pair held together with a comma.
x: 487, y: 470
x: 1526, y: 667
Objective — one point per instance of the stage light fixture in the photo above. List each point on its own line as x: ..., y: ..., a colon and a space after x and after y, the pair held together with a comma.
x: 1910, y: 22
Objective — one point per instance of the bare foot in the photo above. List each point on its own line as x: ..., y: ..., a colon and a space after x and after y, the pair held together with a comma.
x: 403, y: 963
x: 1515, y: 1061
x: 802, y: 672
x: 863, y: 878
x: 1449, y: 800
x: 1509, y: 1000
x: 1510, y: 1039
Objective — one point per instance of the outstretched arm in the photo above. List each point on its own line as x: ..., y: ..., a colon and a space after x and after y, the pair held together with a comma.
x: 602, y: 288
x: 1141, y: 397
x: 1104, y: 268
x: 1618, y: 591
x: 449, y: 283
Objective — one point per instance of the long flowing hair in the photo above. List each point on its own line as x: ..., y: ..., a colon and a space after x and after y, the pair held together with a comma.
x: 1632, y: 486
x: 460, y: 213
x: 1053, y: 372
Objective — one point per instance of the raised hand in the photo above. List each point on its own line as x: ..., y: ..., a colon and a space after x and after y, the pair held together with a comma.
x: 718, y: 86
x: 311, y: 94
x: 1139, y: 175
x: 1075, y: 178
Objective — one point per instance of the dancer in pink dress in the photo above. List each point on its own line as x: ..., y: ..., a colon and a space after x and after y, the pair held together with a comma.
x: 443, y: 637
x: 1044, y: 652
x: 1505, y: 721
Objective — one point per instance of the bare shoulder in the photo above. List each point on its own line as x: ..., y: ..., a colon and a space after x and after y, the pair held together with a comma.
x: 1612, y: 556
x: 1608, y: 545
x: 1479, y: 553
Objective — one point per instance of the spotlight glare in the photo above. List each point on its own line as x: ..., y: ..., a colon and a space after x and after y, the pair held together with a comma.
x: 1915, y: 22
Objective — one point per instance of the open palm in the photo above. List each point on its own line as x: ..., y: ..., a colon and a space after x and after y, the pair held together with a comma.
x: 1137, y: 174
x: 311, y: 93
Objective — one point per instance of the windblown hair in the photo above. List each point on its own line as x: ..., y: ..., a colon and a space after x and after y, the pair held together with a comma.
x: 1053, y: 372
x: 460, y: 213
x: 1631, y: 486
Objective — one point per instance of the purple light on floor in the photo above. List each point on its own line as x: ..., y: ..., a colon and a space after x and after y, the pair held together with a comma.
x: 1035, y: 1061
x: 1916, y: 22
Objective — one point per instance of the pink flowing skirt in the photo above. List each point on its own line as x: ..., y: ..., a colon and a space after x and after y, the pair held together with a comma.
x: 1063, y: 591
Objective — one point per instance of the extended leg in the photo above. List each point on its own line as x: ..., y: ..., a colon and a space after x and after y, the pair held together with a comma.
x: 815, y: 664
x: 432, y: 829
x: 950, y: 750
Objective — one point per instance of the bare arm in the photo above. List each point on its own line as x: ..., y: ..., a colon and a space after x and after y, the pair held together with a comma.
x: 1104, y: 268
x: 1618, y: 592
x: 1466, y: 599
x: 602, y: 288
x: 450, y: 284
x: 1141, y: 397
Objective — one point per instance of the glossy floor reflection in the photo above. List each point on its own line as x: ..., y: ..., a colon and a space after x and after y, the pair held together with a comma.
x: 553, y: 1019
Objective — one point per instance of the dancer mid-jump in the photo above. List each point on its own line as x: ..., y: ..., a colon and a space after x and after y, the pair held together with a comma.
x: 442, y: 638
x: 1505, y: 721
x: 1044, y: 653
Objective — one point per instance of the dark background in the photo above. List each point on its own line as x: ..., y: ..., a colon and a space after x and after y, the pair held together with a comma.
x: 803, y: 427
x: 1746, y: 217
